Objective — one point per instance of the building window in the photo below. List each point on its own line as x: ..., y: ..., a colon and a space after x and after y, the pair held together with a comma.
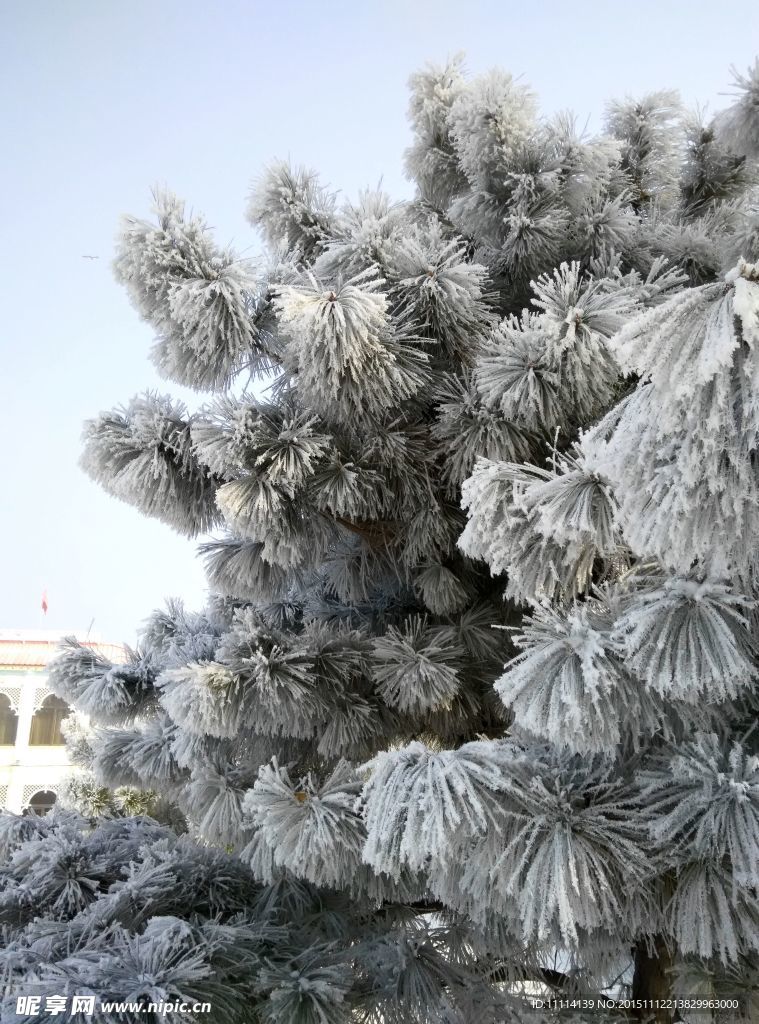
x: 41, y: 803
x: 8, y: 722
x: 46, y: 724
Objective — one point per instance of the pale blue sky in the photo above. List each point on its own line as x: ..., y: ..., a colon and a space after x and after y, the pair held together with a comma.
x: 100, y: 100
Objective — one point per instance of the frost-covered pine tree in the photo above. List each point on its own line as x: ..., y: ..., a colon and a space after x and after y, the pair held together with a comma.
x: 471, y: 711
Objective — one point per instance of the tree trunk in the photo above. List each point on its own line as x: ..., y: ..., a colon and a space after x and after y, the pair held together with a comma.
x: 651, y: 981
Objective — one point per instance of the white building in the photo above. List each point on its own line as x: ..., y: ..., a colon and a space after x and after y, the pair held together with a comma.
x: 33, y: 757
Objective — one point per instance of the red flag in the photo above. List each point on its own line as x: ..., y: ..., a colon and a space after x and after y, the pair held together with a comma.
x: 44, y: 602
